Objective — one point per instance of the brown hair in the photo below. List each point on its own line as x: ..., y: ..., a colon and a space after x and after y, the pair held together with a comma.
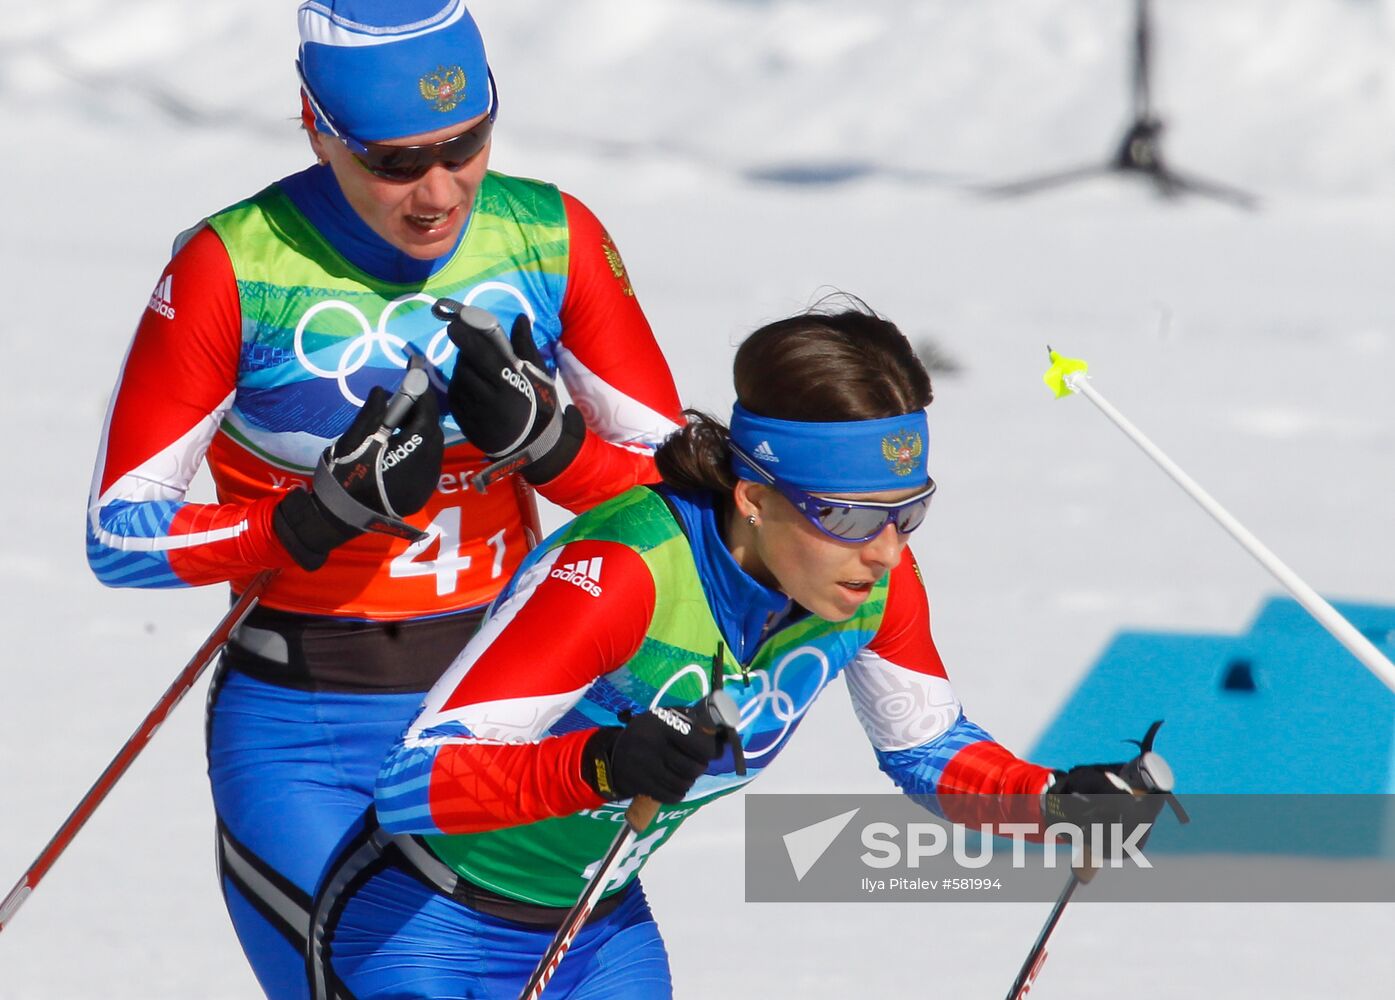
x: 818, y: 366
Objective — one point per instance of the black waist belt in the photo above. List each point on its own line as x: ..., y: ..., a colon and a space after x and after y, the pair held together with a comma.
x: 419, y: 860
x: 334, y: 654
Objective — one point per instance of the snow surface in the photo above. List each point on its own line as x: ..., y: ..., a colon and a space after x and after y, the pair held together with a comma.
x: 749, y: 156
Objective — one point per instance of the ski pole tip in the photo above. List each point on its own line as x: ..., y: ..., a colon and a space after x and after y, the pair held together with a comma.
x: 1058, y: 377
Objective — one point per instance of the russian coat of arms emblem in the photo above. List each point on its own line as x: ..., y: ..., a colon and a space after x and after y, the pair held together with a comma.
x: 445, y: 87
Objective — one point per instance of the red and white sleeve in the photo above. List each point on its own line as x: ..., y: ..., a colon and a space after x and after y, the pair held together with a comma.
x: 481, y: 754
x: 612, y: 367
x: 176, y: 384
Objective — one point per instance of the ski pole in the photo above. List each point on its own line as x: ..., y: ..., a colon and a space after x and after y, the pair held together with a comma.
x: 1149, y: 773
x: 723, y: 715
x: 1036, y: 958
x: 133, y: 746
x: 414, y: 384
x: 1070, y: 375
x: 638, y: 816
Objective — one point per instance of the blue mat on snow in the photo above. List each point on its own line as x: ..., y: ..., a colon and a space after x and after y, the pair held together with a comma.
x: 1282, y: 709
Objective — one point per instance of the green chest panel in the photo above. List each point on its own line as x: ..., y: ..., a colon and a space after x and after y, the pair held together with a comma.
x: 548, y: 862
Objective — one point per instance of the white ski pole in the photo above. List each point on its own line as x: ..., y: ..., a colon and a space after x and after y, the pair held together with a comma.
x: 1070, y: 375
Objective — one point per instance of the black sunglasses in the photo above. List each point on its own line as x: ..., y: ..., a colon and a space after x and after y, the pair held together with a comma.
x: 849, y: 520
x: 408, y: 163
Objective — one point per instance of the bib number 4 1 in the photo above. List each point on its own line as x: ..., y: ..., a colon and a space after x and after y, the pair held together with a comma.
x: 449, y: 562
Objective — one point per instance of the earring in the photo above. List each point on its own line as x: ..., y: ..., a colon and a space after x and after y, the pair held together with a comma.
x: 751, y: 520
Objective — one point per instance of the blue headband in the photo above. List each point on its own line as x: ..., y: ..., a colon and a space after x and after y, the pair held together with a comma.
x: 384, y: 69
x: 848, y: 456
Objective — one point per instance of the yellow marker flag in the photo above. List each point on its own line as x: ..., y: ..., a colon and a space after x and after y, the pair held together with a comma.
x: 1055, y: 377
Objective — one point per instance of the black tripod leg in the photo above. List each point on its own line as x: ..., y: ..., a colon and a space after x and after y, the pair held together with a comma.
x: 1031, y: 185
x: 1213, y: 189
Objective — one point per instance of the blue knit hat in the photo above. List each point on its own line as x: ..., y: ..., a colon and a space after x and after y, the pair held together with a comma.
x: 384, y: 69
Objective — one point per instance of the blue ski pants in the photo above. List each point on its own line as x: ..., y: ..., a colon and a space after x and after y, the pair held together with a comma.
x: 292, y: 773
x: 396, y: 937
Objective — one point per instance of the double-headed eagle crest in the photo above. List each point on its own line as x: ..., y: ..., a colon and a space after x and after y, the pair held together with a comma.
x: 903, y: 451
x: 617, y: 266
x: 445, y: 87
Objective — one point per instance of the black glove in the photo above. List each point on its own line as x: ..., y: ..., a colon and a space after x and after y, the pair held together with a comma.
x: 368, y: 480
x: 1102, y: 793
x: 658, y: 753
x: 504, y: 401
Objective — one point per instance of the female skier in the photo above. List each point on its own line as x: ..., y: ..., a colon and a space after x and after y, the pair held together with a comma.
x: 781, y: 540
x: 272, y: 337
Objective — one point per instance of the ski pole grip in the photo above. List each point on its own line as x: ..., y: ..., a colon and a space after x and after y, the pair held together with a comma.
x: 413, y: 387
x: 641, y: 813
x: 1149, y: 772
x: 481, y: 321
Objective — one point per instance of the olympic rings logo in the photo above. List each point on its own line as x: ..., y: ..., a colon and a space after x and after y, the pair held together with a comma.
x: 769, y: 696
x: 371, y: 342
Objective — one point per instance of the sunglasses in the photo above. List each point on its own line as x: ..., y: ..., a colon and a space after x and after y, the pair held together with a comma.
x: 849, y: 520
x: 408, y: 163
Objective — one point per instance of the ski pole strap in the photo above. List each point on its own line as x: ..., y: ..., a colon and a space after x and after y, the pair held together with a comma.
x: 342, y: 505
x: 516, y: 461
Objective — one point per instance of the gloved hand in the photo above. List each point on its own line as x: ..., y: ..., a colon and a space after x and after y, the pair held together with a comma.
x: 1102, y: 793
x: 659, y: 753
x: 503, y: 399
x: 368, y: 480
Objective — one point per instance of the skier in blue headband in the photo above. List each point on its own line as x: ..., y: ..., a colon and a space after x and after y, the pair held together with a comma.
x: 781, y: 544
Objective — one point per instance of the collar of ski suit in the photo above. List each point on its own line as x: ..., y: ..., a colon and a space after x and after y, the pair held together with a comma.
x: 317, y: 195
x: 746, y: 610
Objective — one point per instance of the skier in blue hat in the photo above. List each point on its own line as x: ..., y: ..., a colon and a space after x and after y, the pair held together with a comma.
x: 273, y: 338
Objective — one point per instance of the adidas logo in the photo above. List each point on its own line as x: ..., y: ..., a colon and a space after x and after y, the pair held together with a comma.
x: 584, y: 573
x: 160, y: 301
x: 399, y: 453
x: 765, y: 453
x: 673, y: 720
